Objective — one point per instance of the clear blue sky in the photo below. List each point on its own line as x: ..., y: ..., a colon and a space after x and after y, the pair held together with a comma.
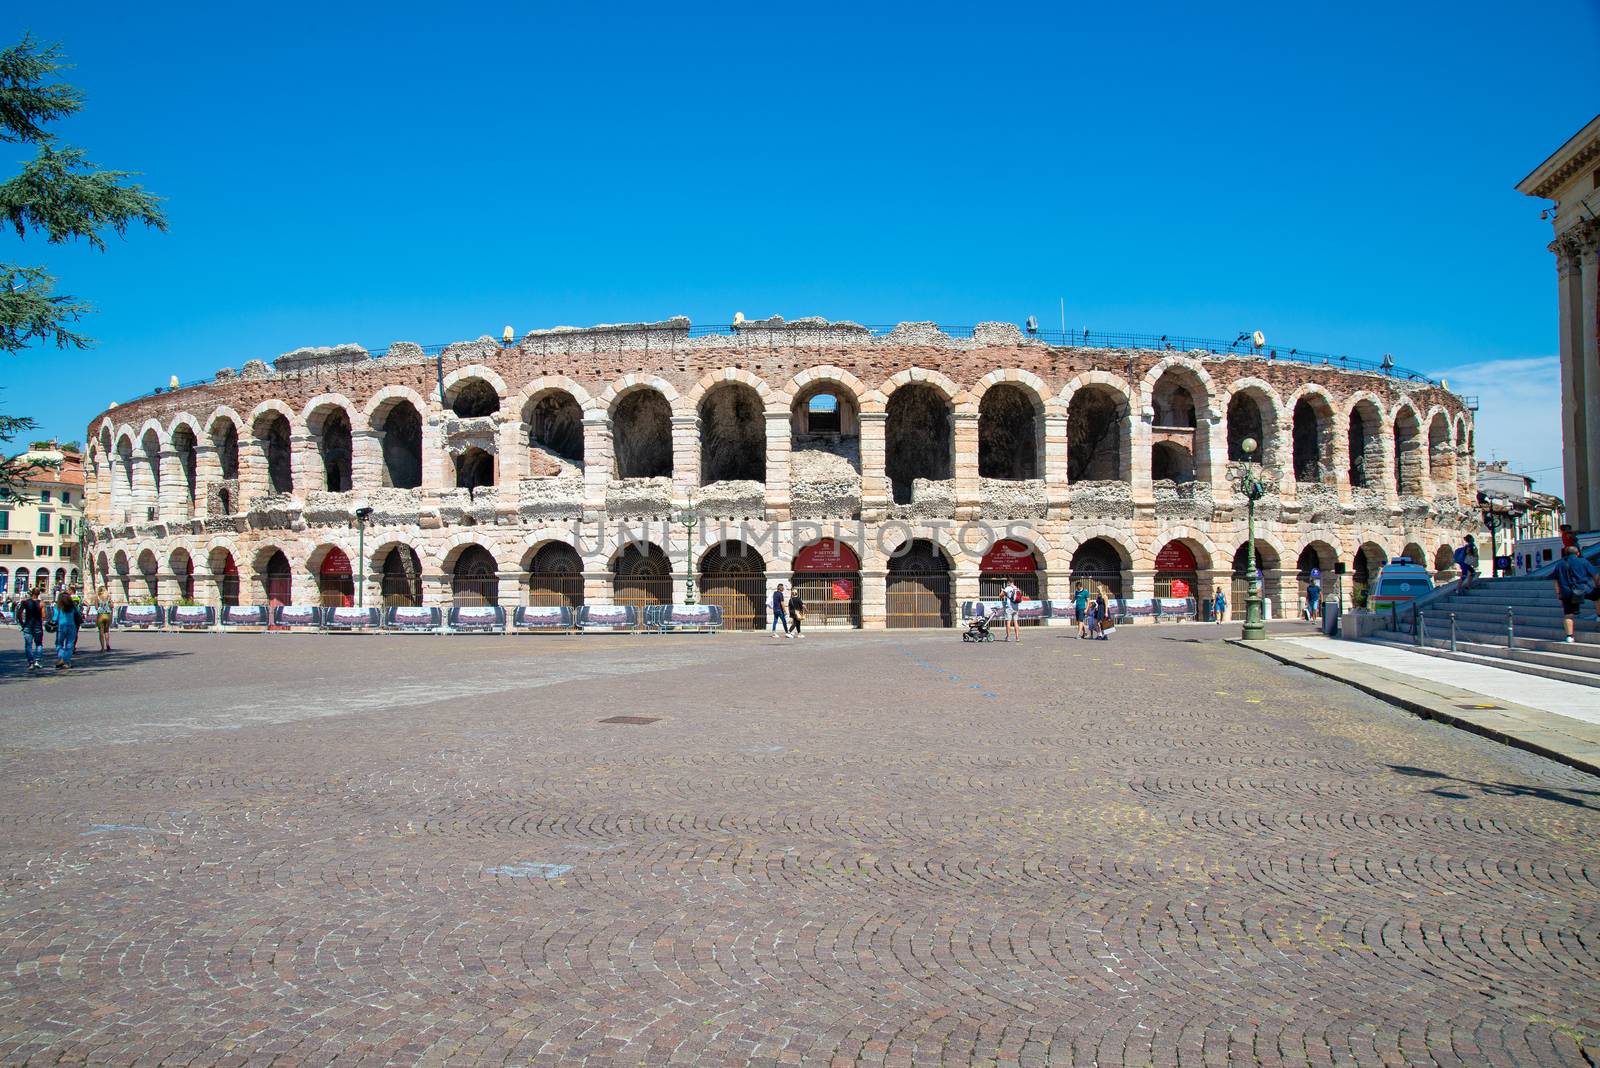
x: 1340, y: 180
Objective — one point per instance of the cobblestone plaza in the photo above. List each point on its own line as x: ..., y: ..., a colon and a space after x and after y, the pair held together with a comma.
x: 856, y: 849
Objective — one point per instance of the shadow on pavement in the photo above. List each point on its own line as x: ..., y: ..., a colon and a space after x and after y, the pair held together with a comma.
x: 14, y: 668
x: 1464, y: 788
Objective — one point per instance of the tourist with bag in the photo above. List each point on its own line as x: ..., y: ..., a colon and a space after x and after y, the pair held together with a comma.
x: 1011, y: 601
x: 797, y: 611
x: 1466, y: 558
x: 65, y: 620
x: 1575, y: 583
x: 30, y: 619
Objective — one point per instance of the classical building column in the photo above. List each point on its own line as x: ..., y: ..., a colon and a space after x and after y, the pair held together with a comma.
x: 305, y: 464
x: 874, y: 486
x: 685, y: 458
x: 1587, y: 343
x: 438, y: 471
x: 1139, y: 585
x: 778, y: 474
x: 1341, y: 460
x: 511, y: 453
x: 598, y: 457
x: 253, y: 480
x: 207, y: 473
x: 174, y: 488
x: 1216, y: 449
x: 366, y: 460
x: 1141, y: 485
x: 964, y: 466
x: 1281, y: 472
x: 1055, y: 464
x: 874, y: 599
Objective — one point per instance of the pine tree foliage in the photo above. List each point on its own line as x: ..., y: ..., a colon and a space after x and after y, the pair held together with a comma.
x: 59, y: 195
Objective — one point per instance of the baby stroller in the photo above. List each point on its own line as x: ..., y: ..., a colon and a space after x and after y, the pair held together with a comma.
x: 978, y: 629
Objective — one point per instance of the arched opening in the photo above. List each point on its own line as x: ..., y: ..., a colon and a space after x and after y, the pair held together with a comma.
x: 60, y: 579
x: 1413, y: 552
x: 1009, y: 560
x: 1315, y: 562
x: 272, y: 434
x: 641, y: 576
x: 1097, y: 433
x: 226, y: 574
x: 555, y: 577
x: 919, y: 439
x: 400, y: 578
x: 1172, y: 401
x: 1010, y: 433
x: 1178, y: 570
x: 1171, y: 462
x: 401, y: 426
x: 5, y: 581
x: 1441, y: 455
x: 824, y: 454
x: 1410, y: 477
x: 330, y: 427
x: 150, y: 458
x: 917, y: 587
x: 828, y: 575
x: 641, y: 426
x: 124, y: 473
x: 474, y: 468
x: 733, y: 435
x: 472, y: 398
x: 475, y: 581
x: 555, y: 433
x: 124, y: 583
x: 1444, y: 564
x: 149, y: 576
x: 1266, y: 564
x: 277, y: 581
x: 1366, y: 445
x: 1313, y: 440
x: 734, y: 577
x: 1247, y: 419
x: 336, y: 587
x: 1097, y: 565
x: 1364, y: 572
x: 182, y: 574
x: 225, y: 437
x: 73, y: 581
x: 183, y: 445
x: 23, y: 578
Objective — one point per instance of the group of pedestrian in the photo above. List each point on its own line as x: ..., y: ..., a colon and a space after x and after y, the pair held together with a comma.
x: 1092, y: 614
x: 61, y: 616
x: 788, y: 612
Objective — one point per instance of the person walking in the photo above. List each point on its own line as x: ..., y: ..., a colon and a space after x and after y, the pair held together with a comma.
x: 103, y: 612
x: 779, y: 616
x: 1080, y: 606
x: 1313, y: 595
x: 1219, y: 607
x: 1090, y: 622
x: 797, y: 611
x: 64, y: 613
x: 1575, y: 583
x: 30, y: 619
x: 1466, y: 558
x: 1011, y: 601
x: 1102, y: 615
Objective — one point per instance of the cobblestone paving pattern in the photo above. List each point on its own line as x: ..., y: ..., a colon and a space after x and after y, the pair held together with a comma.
x: 856, y: 849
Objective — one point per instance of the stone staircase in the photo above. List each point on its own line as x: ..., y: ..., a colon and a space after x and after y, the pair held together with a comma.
x: 1512, y: 623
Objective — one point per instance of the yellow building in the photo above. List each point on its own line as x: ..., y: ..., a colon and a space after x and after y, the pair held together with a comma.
x: 39, y: 534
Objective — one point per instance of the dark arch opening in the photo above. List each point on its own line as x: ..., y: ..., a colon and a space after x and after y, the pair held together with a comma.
x: 273, y: 433
x: 555, y: 577
x: 642, y: 429
x: 401, y: 578
x: 1169, y: 460
x: 1097, y: 422
x: 733, y: 576
x: 183, y: 443
x: 1312, y: 438
x: 1246, y: 420
x: 474, y: 469
x: 919, y: 437
x: 475, y: 580
x: 555, y: 425
x: 1008, y: 434
x: 277, y: 582
x: 226, y: 440
x: 335, y: 448
x: 473, y: 397
x: 401, y: 427
x: 641, y: 577
x: 1097, y: 565
x: 917, y: 587
x: 1365, y: 445
x: 733, y: 435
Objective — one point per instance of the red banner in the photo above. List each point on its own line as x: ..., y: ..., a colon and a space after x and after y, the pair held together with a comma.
x: 1180, y: 588
x: 843, y: 589
x: 336, y: 563
x: 1008, y: 555
x: 1175, y: 556
x: 826, y: 555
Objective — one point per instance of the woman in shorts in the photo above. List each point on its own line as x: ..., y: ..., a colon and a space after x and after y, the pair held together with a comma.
x: 102, y: 619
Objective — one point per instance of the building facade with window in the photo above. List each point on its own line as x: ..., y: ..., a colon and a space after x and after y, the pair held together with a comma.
x: 1571, y: 178
x: 888, y: 473
x: 39, y: 535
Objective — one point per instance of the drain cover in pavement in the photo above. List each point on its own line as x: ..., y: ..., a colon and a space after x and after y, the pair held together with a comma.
x: 635, y: 721
x: 1473, y: 707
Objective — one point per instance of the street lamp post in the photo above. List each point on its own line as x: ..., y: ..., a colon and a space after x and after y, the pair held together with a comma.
x: 362, y: 515
x: 1253, y: 490
x: 688, y: 519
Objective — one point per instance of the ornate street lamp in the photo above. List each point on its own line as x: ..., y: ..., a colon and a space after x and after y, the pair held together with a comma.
x: 1253, y: 489
x: 688, y: 518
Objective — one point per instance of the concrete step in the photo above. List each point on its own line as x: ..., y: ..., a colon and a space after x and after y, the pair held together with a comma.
x: 1488, y: 656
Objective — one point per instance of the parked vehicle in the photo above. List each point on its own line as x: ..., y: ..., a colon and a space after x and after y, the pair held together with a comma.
x: 1399, y: 582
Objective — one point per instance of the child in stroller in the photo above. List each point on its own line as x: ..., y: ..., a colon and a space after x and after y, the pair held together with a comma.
x: 978, y: 625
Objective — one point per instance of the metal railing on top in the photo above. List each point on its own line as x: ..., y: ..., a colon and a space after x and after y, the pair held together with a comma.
x: 1086, y: 338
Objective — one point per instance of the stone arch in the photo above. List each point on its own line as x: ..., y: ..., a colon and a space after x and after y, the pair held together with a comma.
x: 770, y: 398
x: 519, y: 401
x: 222, y: 430
x: 552, y: 426
x: 919, y: 437
x: 395, y: 413
x: 1441, y: 452
x: 181, y: 566
x: 641, y: 431
x: 641, y: 575
x: 1444, y: 562
x: 1040, y: 395
x: 1099, y: 407
x: 474, y: 575
x: 1364, y: 434
x: 183, y: 434
x: 1182, y: 366
x: 1410, y: 453
x: 1100, y: 561
x: 634, y: 382
x: 826, y: 373
x: 1415, y: 553
x: 733, y: 576
x: 148, y: 566
x: 272, y: 427
x: 733, y: 429
x: 474, y: 391
x: 397, y: 566
x: 330, y: 422
x: 1196, y: 541
x: 1254, y: 409
x: 920, y: 376
x: 1311, y: 435
x: 553, y: 571
x: 1011, y: 417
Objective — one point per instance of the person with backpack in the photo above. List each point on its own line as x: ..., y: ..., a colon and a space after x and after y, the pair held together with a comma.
x: 1313, y: 595
x: 779, y: 616
x: 66, y: 617
x: 1466, y: 558
x: 1011, y: 601
x: 30, y: 619
x: 1575, y: 583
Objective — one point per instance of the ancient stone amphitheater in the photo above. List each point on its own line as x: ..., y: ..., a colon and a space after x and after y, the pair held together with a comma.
x: 891, y: 473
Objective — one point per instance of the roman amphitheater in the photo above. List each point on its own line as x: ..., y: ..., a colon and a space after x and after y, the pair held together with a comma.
x: 889, y: 472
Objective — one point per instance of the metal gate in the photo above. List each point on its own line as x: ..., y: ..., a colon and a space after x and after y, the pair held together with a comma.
x: 917, y: 589
x: 476, y: 582
x: 735, y: 579
x: 401, y: 585
x: 335, y: 586
x: 555, y: 577
x: 277, y: 583
x: 229, y: 587
x: 833, y: 599
x: 641, y: 579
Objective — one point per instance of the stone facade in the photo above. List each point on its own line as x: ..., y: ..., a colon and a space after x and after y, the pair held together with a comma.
x: 778, y: 434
